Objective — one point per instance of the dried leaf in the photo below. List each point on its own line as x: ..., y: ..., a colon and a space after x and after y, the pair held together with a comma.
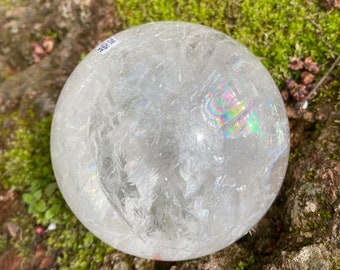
x: 296, y: 64
x: 307, y: 77
x: 12, y: 228
x: 299, y: 94
x: 38, y: 52
x: 330, y: 4
x: 48, y: 44
x: 285, y: 95
x: 312, y: 67
x: 291, y: 84
x: 308, y: 59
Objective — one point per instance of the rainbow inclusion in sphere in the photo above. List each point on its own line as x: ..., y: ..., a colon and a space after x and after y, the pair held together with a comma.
x: 170, y: 141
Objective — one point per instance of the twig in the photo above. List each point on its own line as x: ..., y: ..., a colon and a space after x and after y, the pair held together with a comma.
x: 317, y: 86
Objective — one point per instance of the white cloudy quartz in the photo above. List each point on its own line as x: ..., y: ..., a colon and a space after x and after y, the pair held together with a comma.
x: 170, y: 141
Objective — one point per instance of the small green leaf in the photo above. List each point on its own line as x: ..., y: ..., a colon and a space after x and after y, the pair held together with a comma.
x: 52, y: 212
x: 50, y: 189
x: 88, y: 240
x: 35, y: 184
x: 31, y: 209
x: 40, y: 206
x: 28, y: 198
x: 37, y: 194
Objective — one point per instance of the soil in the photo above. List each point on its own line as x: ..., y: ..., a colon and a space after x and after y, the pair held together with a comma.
x: 300, y: 231
x: 10, y: 206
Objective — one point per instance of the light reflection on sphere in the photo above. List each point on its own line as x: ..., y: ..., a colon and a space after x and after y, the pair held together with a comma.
x: 170, y: 141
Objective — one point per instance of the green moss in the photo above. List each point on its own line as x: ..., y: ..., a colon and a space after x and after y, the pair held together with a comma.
x: 315, y: 225
x: 330, y: 93
x: 246, y: 264
x: 272, y: 30
x: 6, y: 5
x: 218, y: 14
x: 26, y: 167
x: 277, y: 30
x: 3, y: 244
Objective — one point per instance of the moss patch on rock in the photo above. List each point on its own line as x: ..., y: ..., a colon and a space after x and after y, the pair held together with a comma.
x: 272, y: 30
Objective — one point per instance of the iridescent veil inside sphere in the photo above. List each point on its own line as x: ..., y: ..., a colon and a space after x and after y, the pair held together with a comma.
x: 170, y: 141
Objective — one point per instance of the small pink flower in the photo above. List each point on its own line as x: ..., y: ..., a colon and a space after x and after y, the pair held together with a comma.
x: 39, y: 230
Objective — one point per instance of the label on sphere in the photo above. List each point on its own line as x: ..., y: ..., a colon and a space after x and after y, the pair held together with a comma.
x: 107, y: 45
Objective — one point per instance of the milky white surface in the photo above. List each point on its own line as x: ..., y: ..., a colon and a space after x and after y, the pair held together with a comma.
x: 170, y: 142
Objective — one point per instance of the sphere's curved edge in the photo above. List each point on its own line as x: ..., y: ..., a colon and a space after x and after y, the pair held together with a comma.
x: 236, y: 119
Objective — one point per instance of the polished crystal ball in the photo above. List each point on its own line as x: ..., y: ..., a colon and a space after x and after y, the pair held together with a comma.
x: 170, y: 141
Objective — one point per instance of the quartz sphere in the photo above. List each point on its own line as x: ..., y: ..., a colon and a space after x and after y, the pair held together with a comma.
x: 170, y: 141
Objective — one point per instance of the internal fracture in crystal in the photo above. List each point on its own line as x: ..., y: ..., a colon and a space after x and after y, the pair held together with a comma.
x: 170, y: 141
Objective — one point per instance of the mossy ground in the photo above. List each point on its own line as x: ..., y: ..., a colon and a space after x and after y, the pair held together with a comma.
x: 272, y: 30
x: 26, y: 168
